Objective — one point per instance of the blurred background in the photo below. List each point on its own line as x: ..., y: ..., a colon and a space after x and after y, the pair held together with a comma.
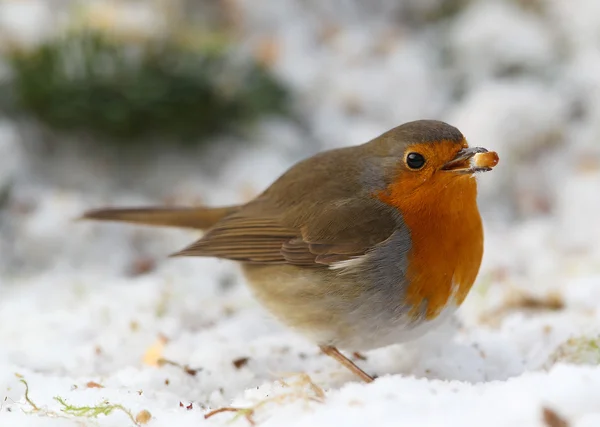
x: 187, y: 102
x: 158, y: 102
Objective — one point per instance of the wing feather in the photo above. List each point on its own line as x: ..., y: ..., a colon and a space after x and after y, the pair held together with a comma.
x: 317, y: 214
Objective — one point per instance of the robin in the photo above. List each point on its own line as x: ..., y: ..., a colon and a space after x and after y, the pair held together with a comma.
x: 358, y: 247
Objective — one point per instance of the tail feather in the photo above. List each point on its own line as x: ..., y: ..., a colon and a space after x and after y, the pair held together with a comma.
x: 199, y: 218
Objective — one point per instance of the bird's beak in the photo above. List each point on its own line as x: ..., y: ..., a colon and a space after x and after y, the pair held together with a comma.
x: 462, y: 162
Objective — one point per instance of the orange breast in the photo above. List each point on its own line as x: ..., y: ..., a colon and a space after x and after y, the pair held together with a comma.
x: 447, y: 240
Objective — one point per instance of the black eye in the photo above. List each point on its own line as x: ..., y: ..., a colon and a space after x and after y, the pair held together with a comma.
x: 415, y: 160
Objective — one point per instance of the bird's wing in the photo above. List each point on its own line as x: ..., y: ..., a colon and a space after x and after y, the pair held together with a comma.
x: 318, y: 235
x: 321, y: 211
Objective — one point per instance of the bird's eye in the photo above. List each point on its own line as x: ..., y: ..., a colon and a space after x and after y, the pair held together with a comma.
x: 415, y: 160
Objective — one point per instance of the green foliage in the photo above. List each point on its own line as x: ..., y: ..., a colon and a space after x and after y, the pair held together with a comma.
x: 27, y: 398
x: 104, y: 408
x: 582, y: 350
x: 133, y: 91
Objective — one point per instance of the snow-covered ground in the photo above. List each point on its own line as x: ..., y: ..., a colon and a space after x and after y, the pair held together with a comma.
x: 87, y: 310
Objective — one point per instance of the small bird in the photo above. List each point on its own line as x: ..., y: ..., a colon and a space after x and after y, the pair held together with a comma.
x: 356, y: 248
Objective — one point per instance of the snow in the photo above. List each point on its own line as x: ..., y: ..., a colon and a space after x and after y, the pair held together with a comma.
x: 498, y: 37
x: 87, y: 309
x: 25, y: 22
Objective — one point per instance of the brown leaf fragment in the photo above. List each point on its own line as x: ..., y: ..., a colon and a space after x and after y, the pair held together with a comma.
x: 240, y: 362
x: 359, y: 356
x: 552, y: 418
x: 92, y: 384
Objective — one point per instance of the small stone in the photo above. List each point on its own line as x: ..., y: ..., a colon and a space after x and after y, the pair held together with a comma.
x: 143, y: 417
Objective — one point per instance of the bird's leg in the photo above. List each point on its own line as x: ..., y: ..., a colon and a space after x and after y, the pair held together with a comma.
x: 335, y: 353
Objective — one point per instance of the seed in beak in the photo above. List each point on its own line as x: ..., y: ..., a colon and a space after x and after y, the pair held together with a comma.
x: 460, y: 161
x: 485, y: 160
